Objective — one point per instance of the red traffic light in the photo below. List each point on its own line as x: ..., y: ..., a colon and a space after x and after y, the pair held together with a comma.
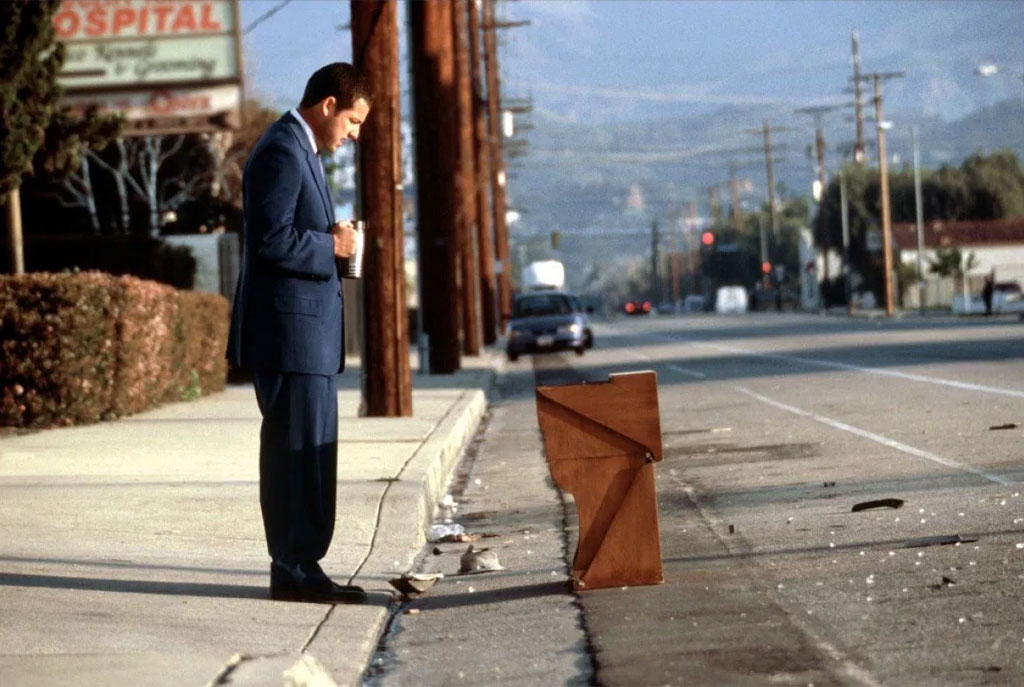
x: 766, y: 267
x: 707, y: 238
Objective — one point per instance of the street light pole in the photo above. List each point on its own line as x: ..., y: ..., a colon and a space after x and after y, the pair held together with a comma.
x: 845, y: 215
x: 920, y: 219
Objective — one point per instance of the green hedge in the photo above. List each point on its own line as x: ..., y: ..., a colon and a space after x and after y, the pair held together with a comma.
x: 89, y: 346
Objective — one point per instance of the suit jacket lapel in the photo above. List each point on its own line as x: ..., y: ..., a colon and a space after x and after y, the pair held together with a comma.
x: 318, y: 173
x: 315, y: 167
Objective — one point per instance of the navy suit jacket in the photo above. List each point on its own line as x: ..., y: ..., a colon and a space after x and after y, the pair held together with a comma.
x: 288, y: 309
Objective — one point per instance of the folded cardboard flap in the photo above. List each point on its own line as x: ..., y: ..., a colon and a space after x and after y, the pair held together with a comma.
x: 601, y: 442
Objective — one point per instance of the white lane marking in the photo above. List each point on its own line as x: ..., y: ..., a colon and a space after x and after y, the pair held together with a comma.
x: 682, y: 370
x: 885, y: 441
x: 686, y: 371
x: 872, y: 370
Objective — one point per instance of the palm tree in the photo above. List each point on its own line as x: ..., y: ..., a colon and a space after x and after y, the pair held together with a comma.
x: 951, y: 262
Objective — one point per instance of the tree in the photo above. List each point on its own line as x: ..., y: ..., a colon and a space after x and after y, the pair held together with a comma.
x: 256, y: 119
x: 76, y: 190
x: 949, y: 261
x: 147, y: 166
x: 35, y: 130
x: 983, y: 187
x: 29, y: 61
x: 995, y: 185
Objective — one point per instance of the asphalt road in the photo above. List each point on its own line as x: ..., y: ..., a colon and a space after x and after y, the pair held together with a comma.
x: 774, y: 427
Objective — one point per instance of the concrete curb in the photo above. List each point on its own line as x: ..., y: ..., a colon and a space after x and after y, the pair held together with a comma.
x: 406, y: 508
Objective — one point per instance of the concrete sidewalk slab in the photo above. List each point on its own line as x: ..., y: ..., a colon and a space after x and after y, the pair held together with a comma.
x: 132, y: 552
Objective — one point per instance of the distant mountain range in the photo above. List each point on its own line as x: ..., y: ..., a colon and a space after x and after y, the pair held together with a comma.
x: 578, y: 175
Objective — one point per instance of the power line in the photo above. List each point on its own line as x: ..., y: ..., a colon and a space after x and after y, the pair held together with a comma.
x: 263, y: 17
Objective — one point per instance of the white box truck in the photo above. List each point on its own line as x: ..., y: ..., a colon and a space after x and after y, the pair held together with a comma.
x: 544, y: 274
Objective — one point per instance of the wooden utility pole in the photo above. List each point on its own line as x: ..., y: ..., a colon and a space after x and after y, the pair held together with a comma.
x: 858, y: 100
x: 14, y: 237
x: 734, y: 188
x: 485, y: 236
x: 769, y: 236
x: 883, y: 171
x: 714, y: 207
x: 675, y: 263
x: 693, y: 246
x: 386, y: 349
x: 655, y: 260
x: 465, y: 186
x: 436, y: 145
x: 819, y: 146
x: 501, y: 250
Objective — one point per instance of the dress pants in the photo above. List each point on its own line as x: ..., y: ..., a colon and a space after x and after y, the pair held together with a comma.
x: 298, y: 463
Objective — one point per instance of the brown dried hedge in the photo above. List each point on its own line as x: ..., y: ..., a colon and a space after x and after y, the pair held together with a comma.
x: 84, y: 347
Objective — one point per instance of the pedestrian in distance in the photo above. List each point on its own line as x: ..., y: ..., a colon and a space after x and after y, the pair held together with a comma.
x: 987, y: 291
x: 287, y: 326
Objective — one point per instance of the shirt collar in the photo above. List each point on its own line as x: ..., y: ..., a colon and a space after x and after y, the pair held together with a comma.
x: 305, y: 127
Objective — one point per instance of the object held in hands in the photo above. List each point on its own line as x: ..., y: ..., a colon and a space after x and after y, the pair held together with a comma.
x: 601, y: 442
x: 352, y: 268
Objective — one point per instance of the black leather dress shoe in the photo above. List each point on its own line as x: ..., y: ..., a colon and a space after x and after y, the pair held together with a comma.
x: 308, y: 582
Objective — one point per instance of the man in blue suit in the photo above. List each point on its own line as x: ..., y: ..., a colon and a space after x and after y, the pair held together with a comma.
x: 287, y: 326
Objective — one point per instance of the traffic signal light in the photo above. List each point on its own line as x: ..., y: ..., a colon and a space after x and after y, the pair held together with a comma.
x: 766, y: 267
x: 708, y: 238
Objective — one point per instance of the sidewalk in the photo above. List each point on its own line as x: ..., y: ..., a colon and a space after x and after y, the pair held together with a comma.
x: 132, y: 552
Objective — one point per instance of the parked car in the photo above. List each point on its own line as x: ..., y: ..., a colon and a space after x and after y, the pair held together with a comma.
x: 1007, y: 297
x: 693, y: 303
x: 547, y: 321
x: 637, y: 307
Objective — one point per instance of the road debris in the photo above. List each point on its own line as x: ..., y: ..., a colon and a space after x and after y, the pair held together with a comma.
x: 938, y: 540
x: 473, y: 561
x: 946, y: 582
x: 449, y: 533
x: 1008, y: 425
x: 449, y: 507
x: 877, y: 503
x: 411, y: 584
x: 828, y: 484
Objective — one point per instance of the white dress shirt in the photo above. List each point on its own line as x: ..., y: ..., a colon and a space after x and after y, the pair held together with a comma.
x: 305, y: 127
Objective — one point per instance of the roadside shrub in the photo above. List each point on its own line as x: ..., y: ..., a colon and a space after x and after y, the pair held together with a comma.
x: 58, y: 352
x: 83, y: 347
x: 205, y: 365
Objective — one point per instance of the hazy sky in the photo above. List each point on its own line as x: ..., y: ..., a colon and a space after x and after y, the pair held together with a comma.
x: 601, y: 60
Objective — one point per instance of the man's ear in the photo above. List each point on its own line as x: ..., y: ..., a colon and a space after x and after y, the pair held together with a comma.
x: 328, y: 105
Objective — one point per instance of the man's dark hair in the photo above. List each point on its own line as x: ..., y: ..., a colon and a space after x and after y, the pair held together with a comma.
x: 340, y: 79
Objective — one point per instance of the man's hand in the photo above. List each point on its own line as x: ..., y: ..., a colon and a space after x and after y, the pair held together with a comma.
x: 344, y: 233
